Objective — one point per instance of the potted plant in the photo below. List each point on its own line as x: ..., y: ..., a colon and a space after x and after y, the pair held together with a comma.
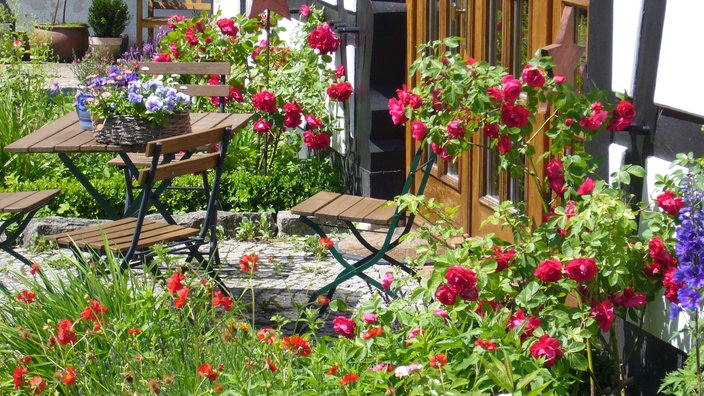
x: 66, y: 40
x: 108, y: 19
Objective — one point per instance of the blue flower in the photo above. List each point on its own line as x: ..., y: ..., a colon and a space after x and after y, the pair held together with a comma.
x: 154, y: 103
x: 690, y: 247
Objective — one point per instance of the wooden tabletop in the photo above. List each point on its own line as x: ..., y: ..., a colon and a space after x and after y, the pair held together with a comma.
x: 65, y: 135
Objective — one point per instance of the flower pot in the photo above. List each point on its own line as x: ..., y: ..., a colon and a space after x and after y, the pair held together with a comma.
x: 66, y: 42
x: 100, y: 45
x: 84, y: 117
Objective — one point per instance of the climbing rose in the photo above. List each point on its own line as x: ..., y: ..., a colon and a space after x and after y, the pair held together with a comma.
x: 418, y: 130
x: 514, y: 115
x: 261, y: 126
x: 670, y: 203
x: 623, y: 116
x: 502, y: 257
x: 386, y: 280
x: 549, y: 270
x: 344, y: 326
x: 581, y: 269
x: 455, y: 130
x: 316, y: 140
x: 313, y: 122
x: 491, y: 130
x: 264, y: 101
x: 628, y: 298
x: 370, y: 318
x: 505, y: 144
x: 445, y: 295
x: 533, y: 76
x: 518, y: 318
x: 227, y: 26
x: 548, y: 348
x: 511, y: 89
x: 305, y: 11
x: 594, y: 121
x: 397, y: 110
x: 191, y: 36
x: 556, y: 176
x: 586, y: 187
x: 323, y: 39
x: 460, y: 279
x: 292, y: 115
x: 603, y: 312
x: 340, y: 91
x: 161, y: 58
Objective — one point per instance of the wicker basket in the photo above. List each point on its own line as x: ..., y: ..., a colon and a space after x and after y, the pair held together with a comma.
x: 126, y: 130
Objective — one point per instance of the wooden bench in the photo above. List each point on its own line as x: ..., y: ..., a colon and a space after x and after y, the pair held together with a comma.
x: 352, y: 209
x: 23, y: 206
x: 153, y: 20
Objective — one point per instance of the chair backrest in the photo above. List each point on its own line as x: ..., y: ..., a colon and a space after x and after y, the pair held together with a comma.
x: 221, y: 90
x: 182, y: 5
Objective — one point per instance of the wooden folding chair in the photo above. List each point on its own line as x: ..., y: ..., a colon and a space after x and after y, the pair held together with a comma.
x: 23, y: 205
x: 132, y: 239
x: 352, y: 209
x: 220, y: 90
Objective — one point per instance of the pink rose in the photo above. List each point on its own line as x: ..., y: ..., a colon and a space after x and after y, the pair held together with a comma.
x: 191, y: 36
x: 313, y: 122
x: 455, y: 130
x: 549, y: 270
x: 533, y: 76
x: 397, y: 110
x: 594, y: 121
x: 369, y: 318
x: 386, y: 280
x: 586, y: 187
x: 581, y: 269
x: 445, y: 295
x: 418, y: 130
x: 460, y: 279
x: 511, y: 90
x: 559, y: 79
x: 415, y: 101
x: 514, y: 116
x: 344, y: 326
x: 305, y: 11
x: 161, y: 58
x: 548, y: 348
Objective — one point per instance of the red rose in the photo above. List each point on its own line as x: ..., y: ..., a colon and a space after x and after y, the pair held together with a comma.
x: 623, y: 116
x: 415, y: 101
x: 460, y: 279
x: 445, y: 295
x: 581, y: 269
x: 227, y: 26
x: 531, y: 323
x: 628, y: 298
x: 594, y: 121
x: 491, y: 130
x: 533, y: 76
x: 495, y: 94
x: 502, y: 257
x: 323, y: 39
x: 670, y: 203
x: 264, y: 101
x: 511, y: 90
x: 586, y: 187
x: 161, y: 58
x: 292, y: 115
x: 514, y: 116
x: 305, y: 11
x: 340, y: 91
x: 397, y: 110
x: 549, y: 270
x: 344, y: 326
x: 191, y: 36
x: 171, y: 23
x: 441, y: 152
x: 548, y: 348
x: 603, y: 312
x: 316, y: 140
x: 261, y: 126
x: 556, y: 176
x: 455, y: 130
x: 662, y: 259
x: 504, y: 144
x: 313, y: 122
x: 470, y: 294
x: 340, y: 72
x: 418, y: 130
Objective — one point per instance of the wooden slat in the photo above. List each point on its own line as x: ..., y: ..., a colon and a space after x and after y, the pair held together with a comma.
x: 140, y: 160
x: 186, y: 141
x: 42, y: 140
x: 26, y: 200
x: 382, y: 215
x: 204, y: 90
x: 362, y: 210
x: 182, y: 5
x: 180, y: 168
x: 314, y: 203
x: 339, y: 205
x: 185, y: 68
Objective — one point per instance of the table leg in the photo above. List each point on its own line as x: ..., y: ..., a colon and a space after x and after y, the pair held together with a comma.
x: 102, y: 202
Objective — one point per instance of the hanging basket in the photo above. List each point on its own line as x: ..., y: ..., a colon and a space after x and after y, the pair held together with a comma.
x: 127, y: 130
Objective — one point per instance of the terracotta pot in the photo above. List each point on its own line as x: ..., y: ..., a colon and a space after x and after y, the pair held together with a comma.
x: 110, y: 44
x: 66, y: 42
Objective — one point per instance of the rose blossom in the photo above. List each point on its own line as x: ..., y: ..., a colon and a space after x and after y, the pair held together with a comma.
x: 581, y: 269
x: 445, y: 295
x: 504, y: 144
x: 460, y: 279
x: 556, y: 176
x: 344, y: 326
x: 549, y: 270
x: 511, y: 89
x: 548, y: 348
x: 670, y: 203
x: 628, y: 298
x: 603, y: 312
x: 227, y: 26
x: 533, y: 76
x: 623, y: 116
x: 316, y: 140
x: 518, y: 318
x: 502, y: 257
x: 313, y: 122
x: 514, y: 115
x: 397, y: 110
x: 495, y: 94
x: 386, y: 280
x: 491, y: 130
x: 559, y: 79
x: 370, y: 318
x: 340, y: 91
x: 455, y: 130
x: 418, y: 130
x: 586, y: 187
x: 594, y: 121
x: 292, y: 115
x: 305, y: 11
x: 323, y: 39
x: 340, y: 72
x: 264, y: 101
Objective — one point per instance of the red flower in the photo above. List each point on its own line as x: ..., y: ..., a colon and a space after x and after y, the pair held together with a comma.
x: 670, y: 203
x: 220, y: 300
x: 514, y: 115
x: 348, y: 378
x: 548, y: 348
x: 171, y: 23
x: 326, y: 242
x: 556, y: 176
x: 504, y: 144
x: 373, y: 332
x: 271, y: 365
x: 445, y: 295
x: 92, y: 310
x: 418, y: 130
x: 594, y: 121
x: 586, y: 187
x: 134, y: 331
x: 174, y: 284
x: 191, y: 36
x: 438, y: 361
x: 397, y: 110
x: 460, y: 279
x: 305, y: 11
x: 312, y: 122
x: 323, y: 39
x: 332, y: 370
x: 161, y: 58
x: 37, y: 385
x: 292, y: 115
x: 370, y: 318
x: 66, y: 333
x: 549, y: 270
x: 340, y: 91
x: 298, y: 345
x: 18, y: 376
x: 511, y: 89
x: 581, y: 269
x: 502, y: 257
x: 182, y: 296
x: 533, y: 76
x: 661, y: 258
x: 227, y: 26
x: 519, y: 318
x: 413, y: 334
x: 35, y: 268
x: 603, y: 312
x: 455, y: 130
x: 264, y: 101
x: 27, y: 359
x: 491, y: 130
x: 344, y: 326
x: 623, y: 116
x: 248, y: 262
x: 173, y: 47
x: 489, y: 345
x: 495, y: 94
x: 261, y: 126
x: 26, y: 296
x: 628, y: 298
x: 267, y: 335
x: 322, y: 300
x: 206, y: 371
x: 387, y: 280
x: 316, y: 140
x: 69, y: 376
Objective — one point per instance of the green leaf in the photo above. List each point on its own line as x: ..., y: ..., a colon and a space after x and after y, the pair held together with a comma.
x: 498, y: 373
x: 337, y: 306
x: 527, y: 379
x: 579, y: 362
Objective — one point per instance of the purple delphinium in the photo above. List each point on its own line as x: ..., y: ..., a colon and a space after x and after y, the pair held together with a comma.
x: 690, y: 248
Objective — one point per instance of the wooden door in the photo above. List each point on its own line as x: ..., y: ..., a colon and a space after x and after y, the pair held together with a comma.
x: 506, y: 33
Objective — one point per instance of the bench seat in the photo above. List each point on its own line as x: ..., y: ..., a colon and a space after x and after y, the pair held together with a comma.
x: 329, y: 205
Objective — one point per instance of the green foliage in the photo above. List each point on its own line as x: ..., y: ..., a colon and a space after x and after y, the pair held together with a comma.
x: 108, y: 18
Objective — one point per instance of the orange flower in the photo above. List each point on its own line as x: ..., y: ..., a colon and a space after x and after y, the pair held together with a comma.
x: 347, y: 378
x: 220, y: 300
x: 18, y: 376
x: 206, y: 371
x: 37, y: 385
x: 298, y: 345
x: 174, y: 284
x: 182, y: 295
x: 248, y: 263
x: 438, y: 361
x: 91, y: 311
x: 35, y: 268
x: 66, y: 333
x: 134, y: 331
x: 332, y: 370
x: 322, y: 300
x: 69, y: 376
x: 326, y: 242
x: 267, y: 335
x: 373, y: 332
